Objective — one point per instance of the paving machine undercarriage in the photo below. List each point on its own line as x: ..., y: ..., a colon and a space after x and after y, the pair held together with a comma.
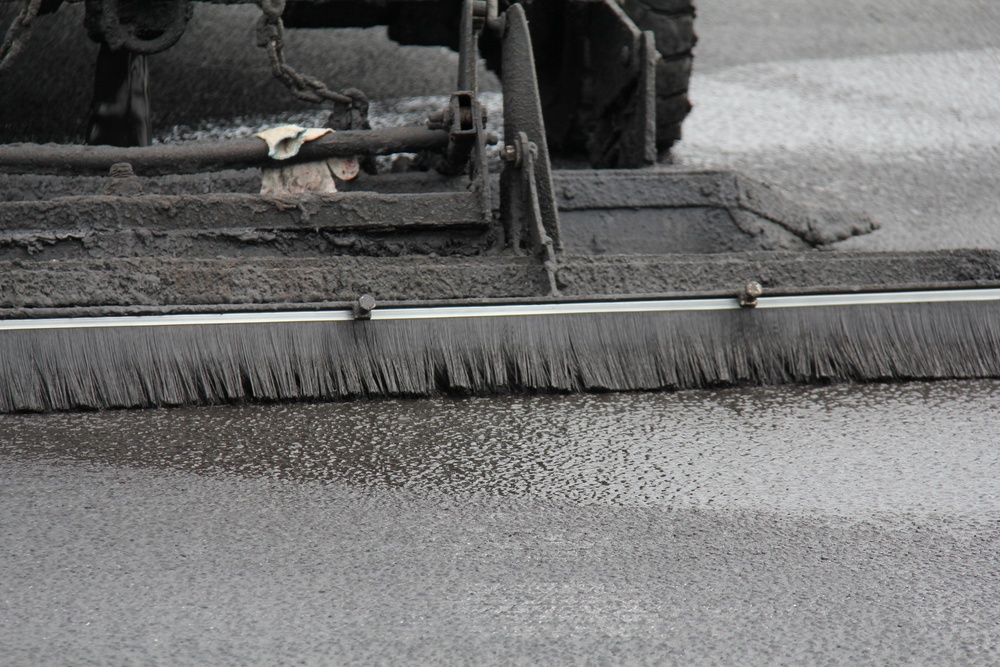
x: 294, y: 225
x: 599, y: 98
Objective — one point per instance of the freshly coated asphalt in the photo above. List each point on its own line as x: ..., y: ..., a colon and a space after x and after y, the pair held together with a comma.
x: 845, y: 525
x: 838, y: 525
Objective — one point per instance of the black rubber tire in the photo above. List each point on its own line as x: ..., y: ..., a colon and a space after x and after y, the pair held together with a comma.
x: 672, y: 24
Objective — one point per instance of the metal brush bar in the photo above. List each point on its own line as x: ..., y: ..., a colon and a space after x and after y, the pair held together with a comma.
x: 507, y: 310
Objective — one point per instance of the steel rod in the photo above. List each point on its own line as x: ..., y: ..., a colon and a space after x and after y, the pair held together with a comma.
x: 197, y: 156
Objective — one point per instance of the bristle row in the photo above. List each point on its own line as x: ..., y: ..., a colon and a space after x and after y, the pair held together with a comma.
x: 179, y: 365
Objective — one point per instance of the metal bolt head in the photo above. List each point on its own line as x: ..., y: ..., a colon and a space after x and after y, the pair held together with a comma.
x: 509, y: 153
x: 751, y: 291
x: 363, y: 307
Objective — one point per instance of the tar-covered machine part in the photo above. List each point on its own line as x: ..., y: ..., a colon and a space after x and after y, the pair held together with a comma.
x: 292, y: 266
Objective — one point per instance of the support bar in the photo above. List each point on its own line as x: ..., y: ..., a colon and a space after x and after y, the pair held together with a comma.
x: 197, y: 156
x: 505, y: 310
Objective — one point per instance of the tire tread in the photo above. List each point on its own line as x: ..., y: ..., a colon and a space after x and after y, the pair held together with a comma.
x: 672, y: 24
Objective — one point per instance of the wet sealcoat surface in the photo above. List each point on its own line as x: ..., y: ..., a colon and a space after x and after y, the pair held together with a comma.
x: 849, y: 450
x: 770, y: 525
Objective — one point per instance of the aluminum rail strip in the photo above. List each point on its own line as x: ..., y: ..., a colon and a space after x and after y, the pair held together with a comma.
x: 509, y: 310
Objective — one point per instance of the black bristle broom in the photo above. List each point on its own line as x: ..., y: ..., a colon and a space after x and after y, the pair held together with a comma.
x: 558, y: 346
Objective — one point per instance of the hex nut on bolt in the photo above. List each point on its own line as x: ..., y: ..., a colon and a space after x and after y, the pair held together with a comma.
x: 363, y: 307
x: 751, y: 291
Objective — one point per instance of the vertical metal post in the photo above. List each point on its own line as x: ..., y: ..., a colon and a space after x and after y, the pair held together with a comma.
x: 522, y: 112
x: 468, y: 51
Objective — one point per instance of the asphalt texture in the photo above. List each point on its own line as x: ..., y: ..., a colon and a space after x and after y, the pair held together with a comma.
x: 845, y: 525
x: 839, y: 525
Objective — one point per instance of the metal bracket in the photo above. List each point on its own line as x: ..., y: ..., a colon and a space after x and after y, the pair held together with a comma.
x: 598, y: 71
x: 464, y: 133
x: 522, y: 110
x: 617, y: 111
x: 544, y: 246
x: 523, y: 154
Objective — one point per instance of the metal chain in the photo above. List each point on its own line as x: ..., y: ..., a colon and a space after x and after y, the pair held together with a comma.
x: 12, y: 41
x: 271, y: 36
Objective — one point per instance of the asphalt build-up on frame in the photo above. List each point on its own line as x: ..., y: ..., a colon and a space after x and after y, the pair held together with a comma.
x: 843, y: 525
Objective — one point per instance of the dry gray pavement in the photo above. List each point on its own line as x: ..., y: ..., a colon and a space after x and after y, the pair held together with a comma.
x: 890, y: 107
x: 841, y: 526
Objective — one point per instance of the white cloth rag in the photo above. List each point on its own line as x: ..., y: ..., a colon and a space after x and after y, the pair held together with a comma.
x: 283, y: 143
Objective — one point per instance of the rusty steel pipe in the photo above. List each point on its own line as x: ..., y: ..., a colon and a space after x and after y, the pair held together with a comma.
x: 197, y: 156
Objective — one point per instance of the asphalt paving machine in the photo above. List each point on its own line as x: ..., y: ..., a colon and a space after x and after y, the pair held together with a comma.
x: 292, y: 266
